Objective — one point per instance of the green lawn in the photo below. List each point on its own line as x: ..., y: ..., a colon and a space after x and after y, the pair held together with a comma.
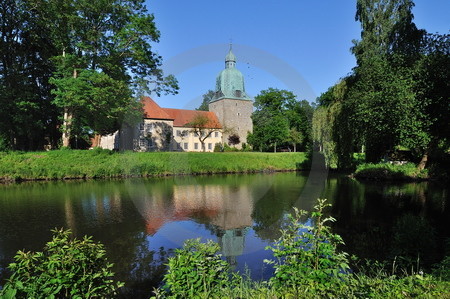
x: 97, y: 163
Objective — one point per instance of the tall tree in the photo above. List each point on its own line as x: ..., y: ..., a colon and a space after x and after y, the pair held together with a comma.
x: 27, y: 116
x: 105, y: 44
x: 102, y: 45
x: 397, y: 94
x: 382, y: 102
x: 207, y: 98
x: 295, y: 137
x: 299, y: 115
x: 276, y: 113
x: 386, y: 28
x: 332, y: 126
x: 432, y: 87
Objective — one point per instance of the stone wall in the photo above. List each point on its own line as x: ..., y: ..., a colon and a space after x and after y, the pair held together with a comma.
x: 235, y: 117
x: 110, y: 141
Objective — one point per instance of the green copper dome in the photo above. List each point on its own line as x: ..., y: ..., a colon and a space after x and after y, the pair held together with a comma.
x: 230, y: 81
x: 230, y: 57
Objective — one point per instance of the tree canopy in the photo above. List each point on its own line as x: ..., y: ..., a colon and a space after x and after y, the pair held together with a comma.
x: 207, y: 98
x: 280, y: 119
x: 392, y: 98
x: 82, y: 74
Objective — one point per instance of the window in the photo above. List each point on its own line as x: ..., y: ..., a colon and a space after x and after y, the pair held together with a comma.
x: 148, y: 128
x: 185, y: 145
x: 216, y: 134
x: 209, y: 146
x: 178, y: 133
x: 196, y: 145
x: 238, y: 113
x: 141, y: 126
x: 142, y: 142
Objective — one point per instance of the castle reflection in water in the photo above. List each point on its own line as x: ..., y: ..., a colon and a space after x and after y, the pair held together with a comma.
x: 226, y: 210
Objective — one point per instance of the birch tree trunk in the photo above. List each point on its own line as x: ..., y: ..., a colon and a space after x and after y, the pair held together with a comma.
x: 67, y: 123
x: 67, y: 120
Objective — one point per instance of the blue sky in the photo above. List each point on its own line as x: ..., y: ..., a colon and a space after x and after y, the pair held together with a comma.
x: 298, y: 45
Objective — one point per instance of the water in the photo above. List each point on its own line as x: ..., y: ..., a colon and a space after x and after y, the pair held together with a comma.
x: 141, y: 221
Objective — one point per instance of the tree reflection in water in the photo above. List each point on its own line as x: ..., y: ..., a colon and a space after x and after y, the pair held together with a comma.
x: 141, y: 221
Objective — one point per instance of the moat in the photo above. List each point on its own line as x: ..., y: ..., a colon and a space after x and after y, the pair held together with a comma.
x: 141, y: 221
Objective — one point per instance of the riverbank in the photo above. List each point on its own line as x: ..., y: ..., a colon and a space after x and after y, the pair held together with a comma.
x: 390, y: 172
x: 98, y: 163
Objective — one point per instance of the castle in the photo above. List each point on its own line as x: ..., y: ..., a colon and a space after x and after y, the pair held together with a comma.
x: 167, y: 129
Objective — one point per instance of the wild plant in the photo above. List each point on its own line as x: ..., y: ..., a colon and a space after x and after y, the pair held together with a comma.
x: 307, y: 255
x: 197, y: 270
x: 66, y: 268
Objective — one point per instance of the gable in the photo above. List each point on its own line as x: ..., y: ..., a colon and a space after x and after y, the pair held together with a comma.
x: 153, y: 110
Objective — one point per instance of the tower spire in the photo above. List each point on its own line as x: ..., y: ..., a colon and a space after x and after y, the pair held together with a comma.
x: 230, y: 59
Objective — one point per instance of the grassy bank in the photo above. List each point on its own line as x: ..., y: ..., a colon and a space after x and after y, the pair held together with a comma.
x: 97, y: 163
x: 388, y: 171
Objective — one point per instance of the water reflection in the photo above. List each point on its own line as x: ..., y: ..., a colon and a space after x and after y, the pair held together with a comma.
x: 224, y: 206
x: 142, y: 221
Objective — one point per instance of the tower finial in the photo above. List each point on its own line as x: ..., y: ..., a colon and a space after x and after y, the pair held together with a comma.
x: 230, y: 59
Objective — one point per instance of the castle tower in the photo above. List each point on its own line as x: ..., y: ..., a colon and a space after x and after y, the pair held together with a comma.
x: 231, y: 104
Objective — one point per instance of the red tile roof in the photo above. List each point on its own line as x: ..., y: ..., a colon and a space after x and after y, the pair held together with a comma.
x: 180, y: 117
x: 152, y: 110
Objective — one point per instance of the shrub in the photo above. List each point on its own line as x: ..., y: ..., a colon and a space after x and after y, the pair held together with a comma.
x: 218, y: 147
x: 196, y: 269
x: 307, y: 255
x: 66, y: 268
x: 442, y: 269
x: 4, y: 145
x: 389, y: 171
x: 246, y: 147
x: 100, y: 151
x: 227, y: 148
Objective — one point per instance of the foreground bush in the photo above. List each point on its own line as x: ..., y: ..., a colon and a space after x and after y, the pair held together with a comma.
x: 197, y: 268
x: 307, y: 255
x: 66, y: 268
